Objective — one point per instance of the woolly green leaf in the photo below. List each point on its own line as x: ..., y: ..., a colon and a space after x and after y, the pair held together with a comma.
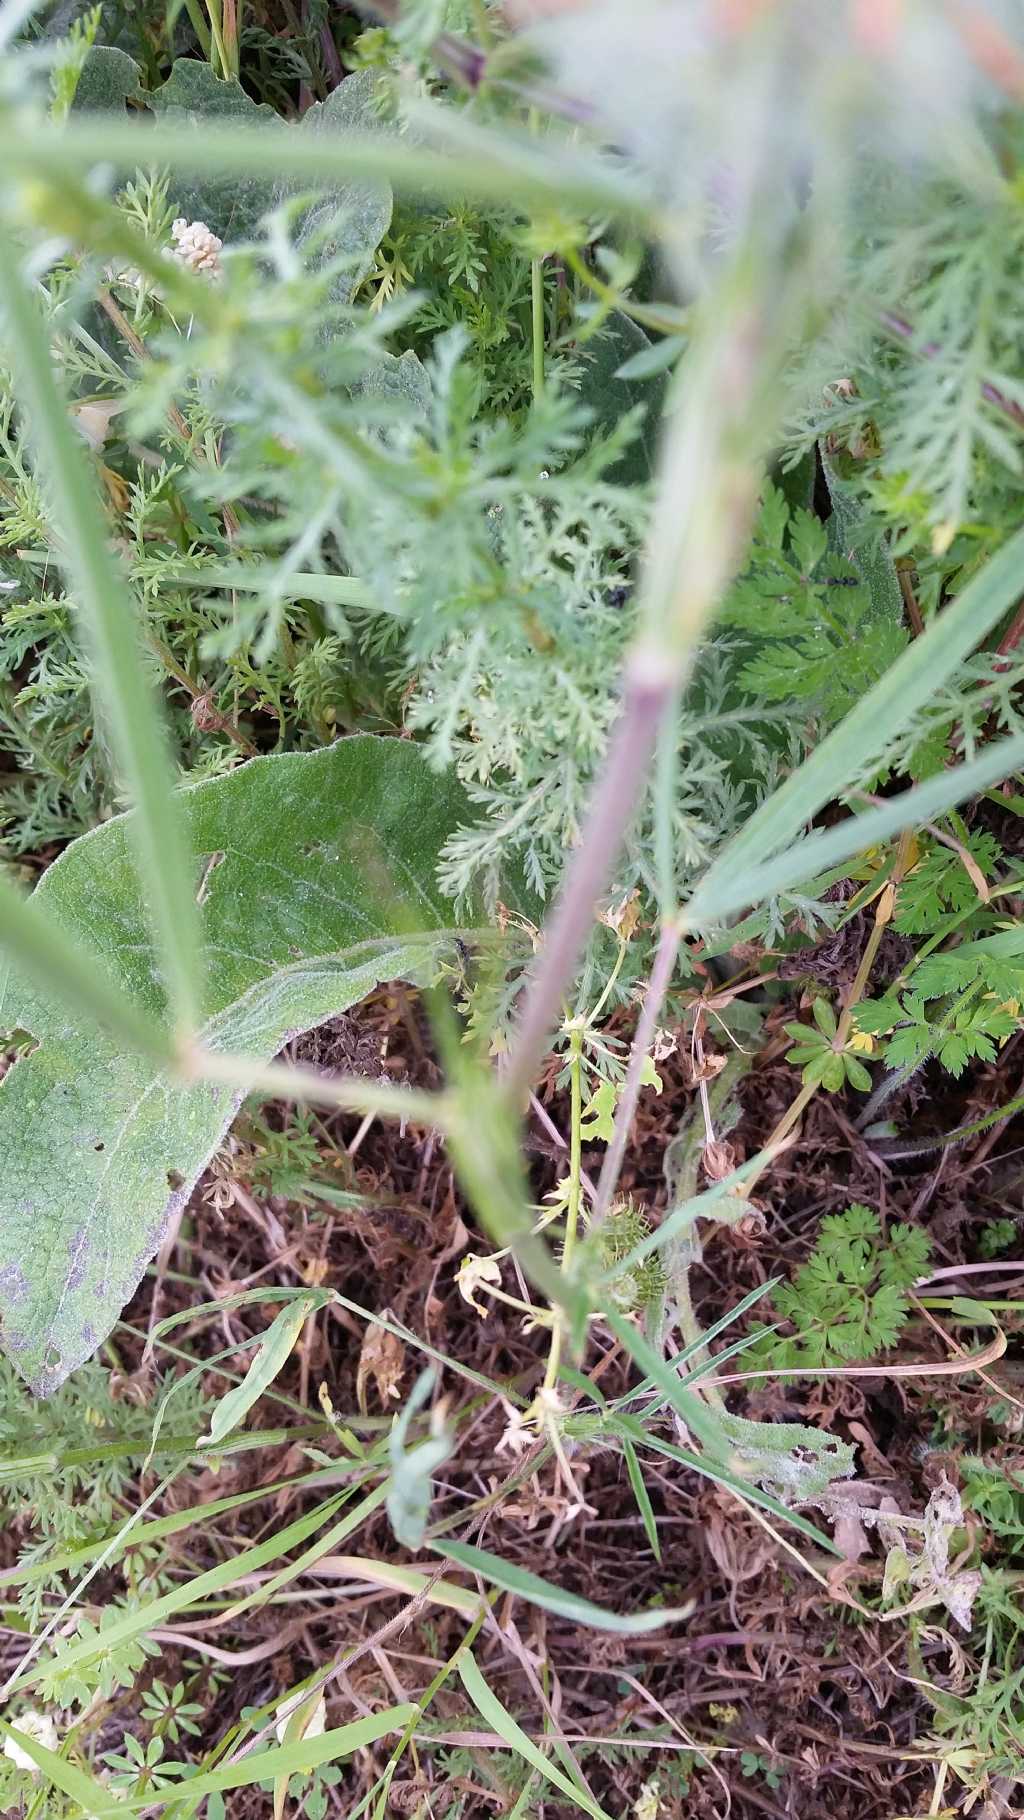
x: 109, y: 79
x: 229, y: 204
x: 315, y: 873
x: 795, y: 1462
x: 611, y: 387
x: 347, y: 223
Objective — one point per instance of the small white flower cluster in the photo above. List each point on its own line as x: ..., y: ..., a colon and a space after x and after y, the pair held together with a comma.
x: 197, y: 247
x: 35, y: 1725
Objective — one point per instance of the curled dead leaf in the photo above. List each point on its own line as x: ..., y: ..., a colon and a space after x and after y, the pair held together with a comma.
x: 719, y: 1161
x: 382, y: 1358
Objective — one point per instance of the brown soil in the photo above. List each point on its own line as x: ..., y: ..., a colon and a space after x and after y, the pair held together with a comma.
x: 768, y: 1663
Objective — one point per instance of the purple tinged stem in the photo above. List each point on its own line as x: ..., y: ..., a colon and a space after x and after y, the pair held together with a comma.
x: 646, y: 700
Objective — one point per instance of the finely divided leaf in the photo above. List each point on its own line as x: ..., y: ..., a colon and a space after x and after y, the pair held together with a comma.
x: 315, y: 873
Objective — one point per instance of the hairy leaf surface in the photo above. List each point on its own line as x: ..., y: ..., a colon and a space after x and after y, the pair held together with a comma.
x: 315, y: 873
x: 191, y: 96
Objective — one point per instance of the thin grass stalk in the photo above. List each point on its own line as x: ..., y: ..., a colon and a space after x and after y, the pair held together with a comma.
x: 492, y: 167
x: 119, y: 678
x: 726, y: 890
x: 67, y: 972
x: 654, y: 998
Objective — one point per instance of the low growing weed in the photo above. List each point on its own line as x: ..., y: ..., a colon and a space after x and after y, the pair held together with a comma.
x: 508, y: 537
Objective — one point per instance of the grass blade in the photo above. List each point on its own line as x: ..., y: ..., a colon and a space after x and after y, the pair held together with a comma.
x: 501, y: 1721
x: 910, y: 682
x: 726, y: 890
x: 289, y: 1759
x: 274, y: 1350
x: 109, y: 614
x: 226, y: 1573
x: 642, y: 1496
x: 554, y: 1598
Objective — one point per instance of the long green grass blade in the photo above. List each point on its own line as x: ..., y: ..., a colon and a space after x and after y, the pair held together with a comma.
x: 642, y: 1496
x: 143, y: 1535
x: 275, y: 1349
x: 723, y: 892
x: 226, y: 1573
x: 288, y: 1760
x: 555, y: 1599
x: 109, y: 616
x: 353, y: 1519
x: 501, y: 1721
x: 495, y: 167
x: 910, y: 682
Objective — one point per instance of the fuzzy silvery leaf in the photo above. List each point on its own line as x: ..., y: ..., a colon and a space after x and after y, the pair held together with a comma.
x: 610, y: 393
x: 344, y: 226
x: 109, y: 79
x: 316, y: 875
x: 229, y: 205
x: 794, y: 1462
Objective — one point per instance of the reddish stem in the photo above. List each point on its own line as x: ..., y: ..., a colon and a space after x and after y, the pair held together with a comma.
x: 646, y: 701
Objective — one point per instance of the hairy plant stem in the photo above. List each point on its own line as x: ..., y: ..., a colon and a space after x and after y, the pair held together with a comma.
x: 537, y: 300
x: 644, y: 705
x: 537, y: 325
x: 707, y: 494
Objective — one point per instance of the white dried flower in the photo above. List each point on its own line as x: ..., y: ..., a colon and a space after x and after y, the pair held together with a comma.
x: 197, y: 247
x: 516, y: 1437
x: 35, y: 1725
x: 474, y: 1273
x: 648, y: 1803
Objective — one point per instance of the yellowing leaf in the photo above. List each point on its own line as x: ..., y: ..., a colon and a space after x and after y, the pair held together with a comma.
x: 599, y: 1113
